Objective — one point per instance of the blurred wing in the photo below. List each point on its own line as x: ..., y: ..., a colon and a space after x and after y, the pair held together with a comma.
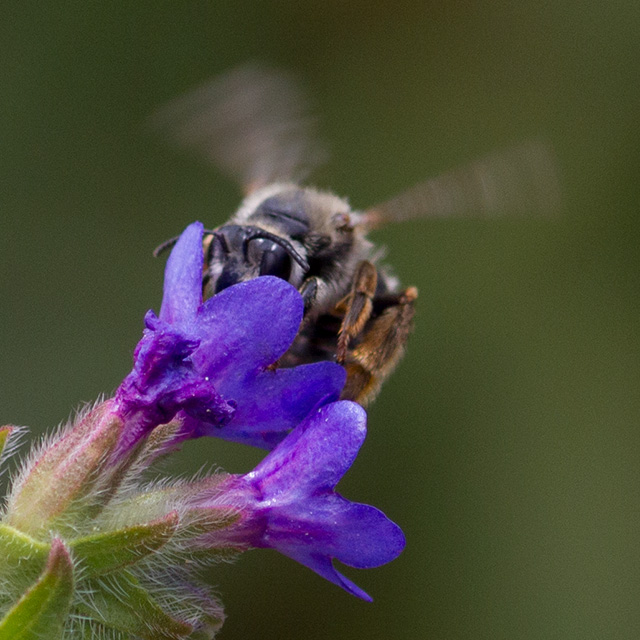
x: 252, y: 123
x: 520, y: 180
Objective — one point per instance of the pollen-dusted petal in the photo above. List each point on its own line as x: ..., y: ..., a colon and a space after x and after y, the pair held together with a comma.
x: 247, y: 327
x: 183, y: 278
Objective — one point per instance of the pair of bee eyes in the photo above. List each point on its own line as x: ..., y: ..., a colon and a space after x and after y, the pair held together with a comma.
x: 272, y: 259
x: 271, y: 254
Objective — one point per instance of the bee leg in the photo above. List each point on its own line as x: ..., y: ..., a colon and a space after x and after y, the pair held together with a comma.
x: 380, y: 349
x: 309, y: 292
x: 359, y: 306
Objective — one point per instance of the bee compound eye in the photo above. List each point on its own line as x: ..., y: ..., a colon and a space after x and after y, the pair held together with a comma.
x: 274, y: 261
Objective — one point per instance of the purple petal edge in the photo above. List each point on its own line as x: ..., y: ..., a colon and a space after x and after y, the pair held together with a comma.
x: 183, y: 278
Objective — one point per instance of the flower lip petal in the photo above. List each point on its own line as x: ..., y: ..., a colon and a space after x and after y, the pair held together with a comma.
x: 323, y: 566
x: 247, y: 327
x: 183, y: 278
x: 274, y: 402
x: 318, y: 452
x: 325, y: 526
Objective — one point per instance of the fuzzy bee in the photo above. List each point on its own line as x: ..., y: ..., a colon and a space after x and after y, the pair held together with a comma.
x: 252, y: 123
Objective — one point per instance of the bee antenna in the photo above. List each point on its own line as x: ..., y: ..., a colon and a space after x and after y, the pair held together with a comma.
x: 161, y: 248
x: 172, y: 241
x: 285, y: 244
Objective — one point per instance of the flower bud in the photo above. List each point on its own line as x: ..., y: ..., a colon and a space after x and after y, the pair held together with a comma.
x: 58, y: 482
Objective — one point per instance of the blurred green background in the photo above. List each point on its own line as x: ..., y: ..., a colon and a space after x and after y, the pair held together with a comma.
x: 507, y: 443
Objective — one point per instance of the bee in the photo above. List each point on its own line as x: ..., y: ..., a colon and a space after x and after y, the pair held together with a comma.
x: 253, y: 124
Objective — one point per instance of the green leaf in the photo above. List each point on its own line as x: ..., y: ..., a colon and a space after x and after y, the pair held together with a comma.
x: 119, y: 602
x: 42, y: 610
x: 105, y: 552
x: 22, y: 559
x: 17, y: 547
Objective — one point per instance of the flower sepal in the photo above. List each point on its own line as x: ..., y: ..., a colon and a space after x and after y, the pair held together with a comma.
x: 122, y: 538
x: 108, y: 551
x: 20, y: 550
x: 126, y: 606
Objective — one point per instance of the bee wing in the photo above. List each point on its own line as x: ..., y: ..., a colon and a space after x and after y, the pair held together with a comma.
x: 520, y: 180
x: 252, y: 123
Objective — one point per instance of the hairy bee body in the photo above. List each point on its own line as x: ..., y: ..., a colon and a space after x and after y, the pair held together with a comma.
x: 309, y: 238
x: 252, y: 124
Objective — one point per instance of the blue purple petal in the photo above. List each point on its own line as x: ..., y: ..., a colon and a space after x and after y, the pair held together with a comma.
x: 302, y: 516
x: 274, y: 402
x: 318, y: 453
x: 247, y: 327
x: 163, y: 382
x: 183, y: 278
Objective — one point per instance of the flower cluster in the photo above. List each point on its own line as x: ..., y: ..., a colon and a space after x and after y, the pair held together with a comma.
x: 87, y: 549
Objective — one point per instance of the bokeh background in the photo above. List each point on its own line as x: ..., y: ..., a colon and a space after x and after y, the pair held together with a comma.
x: 507, y: 444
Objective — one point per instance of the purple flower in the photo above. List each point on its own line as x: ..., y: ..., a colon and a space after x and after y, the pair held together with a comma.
x: 209, y: 363
x: 288, y: 501
x: 201, y: 368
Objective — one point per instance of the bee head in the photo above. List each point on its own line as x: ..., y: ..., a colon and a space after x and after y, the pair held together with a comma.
x: 237, y: 253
